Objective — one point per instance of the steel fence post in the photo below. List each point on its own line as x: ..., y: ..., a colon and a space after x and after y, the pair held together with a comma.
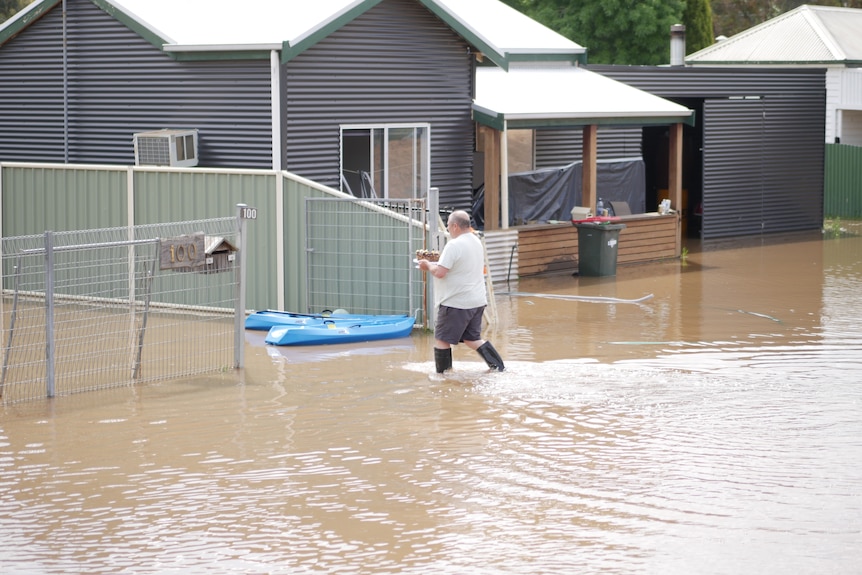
x: 49, y: 314
x: 239, y: 315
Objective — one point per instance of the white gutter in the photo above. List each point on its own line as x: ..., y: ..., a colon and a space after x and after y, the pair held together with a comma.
x: 591, y: 116
x: 586, y: 115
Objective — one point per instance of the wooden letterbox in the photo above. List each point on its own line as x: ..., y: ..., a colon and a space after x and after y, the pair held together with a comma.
x: 220, y: 255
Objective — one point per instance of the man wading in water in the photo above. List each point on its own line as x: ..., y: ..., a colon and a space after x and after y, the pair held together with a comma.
x: 460, y: 292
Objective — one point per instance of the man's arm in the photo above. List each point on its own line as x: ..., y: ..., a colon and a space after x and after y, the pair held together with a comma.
x: 433, y: 268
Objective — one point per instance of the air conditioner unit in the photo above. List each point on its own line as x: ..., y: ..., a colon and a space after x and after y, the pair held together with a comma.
x: 167, y: 148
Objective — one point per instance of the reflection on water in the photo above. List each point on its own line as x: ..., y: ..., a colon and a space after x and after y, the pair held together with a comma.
x: 714, y: 428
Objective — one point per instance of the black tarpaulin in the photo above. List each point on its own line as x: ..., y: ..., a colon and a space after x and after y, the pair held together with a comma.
x: 549, y: 194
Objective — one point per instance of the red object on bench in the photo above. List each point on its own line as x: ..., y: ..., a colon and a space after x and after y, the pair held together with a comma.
x: 597, y: 220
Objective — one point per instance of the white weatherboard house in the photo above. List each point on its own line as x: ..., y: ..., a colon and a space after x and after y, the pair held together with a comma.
x: 808, y: 36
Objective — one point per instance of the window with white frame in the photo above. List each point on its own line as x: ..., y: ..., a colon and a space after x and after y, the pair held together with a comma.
x: 385, y: 160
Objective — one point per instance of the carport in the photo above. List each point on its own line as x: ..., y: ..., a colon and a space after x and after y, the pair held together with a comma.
x: 555, y: 96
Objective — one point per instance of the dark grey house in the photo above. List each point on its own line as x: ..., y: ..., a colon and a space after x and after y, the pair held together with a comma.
x: 78, y: 85
x: 369, y: 96
x: 380, y: 97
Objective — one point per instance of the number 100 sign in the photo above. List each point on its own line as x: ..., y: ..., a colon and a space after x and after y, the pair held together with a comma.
x: 186, y: 251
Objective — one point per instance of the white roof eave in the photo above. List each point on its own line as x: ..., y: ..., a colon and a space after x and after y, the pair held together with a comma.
x: 566, y: 94
x: 222, y: 25
x: 506, y: 31
x: 588, y: 116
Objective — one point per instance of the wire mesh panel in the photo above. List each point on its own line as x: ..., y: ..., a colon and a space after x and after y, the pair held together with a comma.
x: 100, y: 308
x: 360, y: 255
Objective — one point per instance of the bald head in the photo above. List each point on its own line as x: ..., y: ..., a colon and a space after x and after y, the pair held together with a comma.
x: 460, y: 218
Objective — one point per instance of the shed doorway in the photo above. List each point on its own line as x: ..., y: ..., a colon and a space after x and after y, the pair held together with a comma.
x: 654, y: 148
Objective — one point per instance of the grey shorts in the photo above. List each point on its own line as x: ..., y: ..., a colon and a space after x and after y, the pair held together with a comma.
x: 456, y: 325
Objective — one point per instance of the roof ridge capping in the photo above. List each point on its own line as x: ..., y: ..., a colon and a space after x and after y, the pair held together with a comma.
x: 741, y: 47
x: 740, y: 36
x: 823, y: 32
x: 504, y: 34
x: 500, y: 32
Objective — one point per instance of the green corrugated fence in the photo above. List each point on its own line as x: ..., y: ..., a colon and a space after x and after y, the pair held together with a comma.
x: 35, y: 198
x: 842, y: 195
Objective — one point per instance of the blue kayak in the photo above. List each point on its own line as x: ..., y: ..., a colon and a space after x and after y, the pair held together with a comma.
x: 266, y: 319
x: 341, y: 332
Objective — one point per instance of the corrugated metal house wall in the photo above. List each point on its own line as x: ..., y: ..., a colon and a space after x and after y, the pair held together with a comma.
x: 555, y: 148
x: 763, y: 147
x: 793, y: 179
x: 395, y: 63
x: 119, y: 84
x: 31, y: 93
x: 737, y: 139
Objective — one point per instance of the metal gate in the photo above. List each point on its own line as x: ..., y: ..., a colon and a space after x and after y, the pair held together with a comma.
x: 360, y: 256
x: 95, y: 309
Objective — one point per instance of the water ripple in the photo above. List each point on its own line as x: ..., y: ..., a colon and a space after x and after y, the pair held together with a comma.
x: 735, y: 450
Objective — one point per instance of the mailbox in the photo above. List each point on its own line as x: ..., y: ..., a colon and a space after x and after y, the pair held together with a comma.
x: 220, y: 255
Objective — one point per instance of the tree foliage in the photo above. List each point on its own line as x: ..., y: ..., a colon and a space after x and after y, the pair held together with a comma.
x: 613, y: 31
x: 9, y: 8
x: 734, y: 16
x: 697, y: 18
x: 638, y: 32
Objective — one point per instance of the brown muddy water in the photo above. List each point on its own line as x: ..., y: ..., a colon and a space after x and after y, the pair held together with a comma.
x: 714, y: 428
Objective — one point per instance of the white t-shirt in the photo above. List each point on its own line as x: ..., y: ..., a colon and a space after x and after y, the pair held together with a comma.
x: 464, y: 284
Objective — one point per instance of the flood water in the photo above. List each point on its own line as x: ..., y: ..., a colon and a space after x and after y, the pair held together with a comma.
x: 713, y: 428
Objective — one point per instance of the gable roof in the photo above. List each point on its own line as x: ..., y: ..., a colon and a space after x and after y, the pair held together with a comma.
x: 805, y: 35
x: 545, y: 86
x: 206, y: 28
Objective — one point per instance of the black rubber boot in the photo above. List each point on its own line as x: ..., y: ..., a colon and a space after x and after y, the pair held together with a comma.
x: 443, y: 359
x: 491, y: 357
